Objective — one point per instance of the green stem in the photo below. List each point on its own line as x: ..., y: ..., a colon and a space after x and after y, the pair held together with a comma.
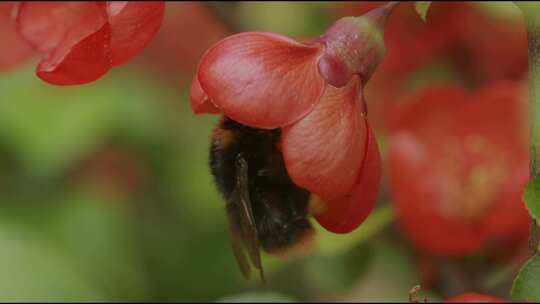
x: 533, y: 38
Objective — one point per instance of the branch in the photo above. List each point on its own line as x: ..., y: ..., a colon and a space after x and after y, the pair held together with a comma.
x: 531, y: 14
x: 226, y: 12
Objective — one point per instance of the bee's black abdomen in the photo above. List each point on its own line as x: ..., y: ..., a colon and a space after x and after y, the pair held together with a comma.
x: 279, y: 206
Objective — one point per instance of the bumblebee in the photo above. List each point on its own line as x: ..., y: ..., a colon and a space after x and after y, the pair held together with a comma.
x: 265, y: 209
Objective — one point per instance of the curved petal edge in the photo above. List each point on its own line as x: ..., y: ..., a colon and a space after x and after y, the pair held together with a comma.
x: 345, y: 214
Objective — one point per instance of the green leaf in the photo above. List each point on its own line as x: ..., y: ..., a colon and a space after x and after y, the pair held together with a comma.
x: 527, y: 283
x: 422, y: 8
x: 531, y: 196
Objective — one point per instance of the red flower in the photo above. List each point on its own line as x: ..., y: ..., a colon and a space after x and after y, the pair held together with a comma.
x: 456, y: 34
x: 15, y: 49
x: 81, y: 41
x: 313, y: 91
x: 458, y: 165
x: 471, y: 297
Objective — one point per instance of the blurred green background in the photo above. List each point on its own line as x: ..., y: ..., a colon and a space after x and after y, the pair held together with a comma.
x: 105, y: 194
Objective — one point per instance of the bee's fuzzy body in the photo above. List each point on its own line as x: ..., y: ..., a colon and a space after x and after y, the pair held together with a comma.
x: 280, y: 208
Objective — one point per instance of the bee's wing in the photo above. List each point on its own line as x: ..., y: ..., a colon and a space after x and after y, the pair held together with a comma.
x: 248, y: 233
x: 238, y: 250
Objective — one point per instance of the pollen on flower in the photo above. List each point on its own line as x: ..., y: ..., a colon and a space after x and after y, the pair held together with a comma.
x: 472, y: 189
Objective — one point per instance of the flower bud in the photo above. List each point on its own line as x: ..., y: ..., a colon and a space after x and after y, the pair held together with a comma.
x: 354, y: 46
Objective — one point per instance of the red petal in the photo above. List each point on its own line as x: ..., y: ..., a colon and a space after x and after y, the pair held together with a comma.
x: 262, y: 80
x: 71, y: 35
x: 133, y: 25
x: 85, y: 62
x: 504, y: 220
x: 345, y: 214
x: 18, y: 49
x: 324, y: 151
x: 498, y: 113
x: 200, y: 103
x: 472, y: 297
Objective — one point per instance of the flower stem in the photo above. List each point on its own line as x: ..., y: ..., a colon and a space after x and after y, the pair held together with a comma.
x: 533, y: 38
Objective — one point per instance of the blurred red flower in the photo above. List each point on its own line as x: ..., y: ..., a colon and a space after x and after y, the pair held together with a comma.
x: 458, y: 165
x: 81, y: 41
x: 490, y: 48
x: 15, y: 50
x: 170, y: 56
x: 116, y: 169
x: 313, y: 91
x: 471, y: 297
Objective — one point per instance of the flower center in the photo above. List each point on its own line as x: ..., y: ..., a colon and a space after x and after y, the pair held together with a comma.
x: 476, y: 170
